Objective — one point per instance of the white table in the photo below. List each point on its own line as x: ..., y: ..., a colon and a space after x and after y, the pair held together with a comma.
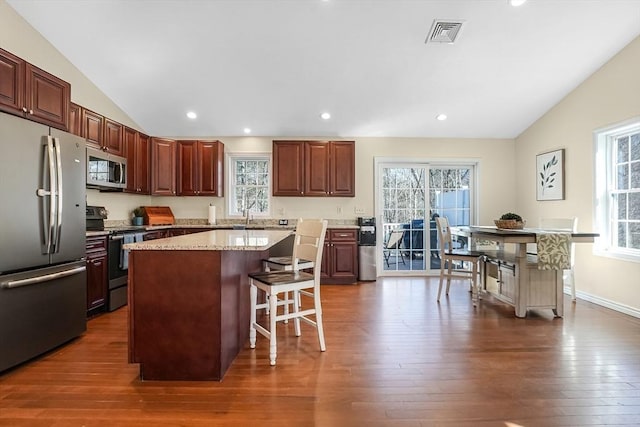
x: 522, y: 284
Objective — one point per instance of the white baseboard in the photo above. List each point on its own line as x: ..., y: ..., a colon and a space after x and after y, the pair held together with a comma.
x: 625, y: 309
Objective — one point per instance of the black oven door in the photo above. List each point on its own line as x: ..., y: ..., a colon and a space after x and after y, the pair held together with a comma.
x: 118, y: 271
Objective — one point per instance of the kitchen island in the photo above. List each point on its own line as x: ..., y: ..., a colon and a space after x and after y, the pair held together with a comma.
x: 189, y: 301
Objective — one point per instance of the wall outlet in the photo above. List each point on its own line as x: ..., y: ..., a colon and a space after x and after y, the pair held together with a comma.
x: 280, y: 211
x: 283, y: 222
x: 358, y: 210
x: 339, y: 210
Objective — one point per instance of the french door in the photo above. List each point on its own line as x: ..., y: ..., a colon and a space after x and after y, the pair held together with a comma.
x: 409, y: 197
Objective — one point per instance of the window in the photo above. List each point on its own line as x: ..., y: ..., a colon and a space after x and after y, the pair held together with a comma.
x: 249, y: 180
x: 617, y: 187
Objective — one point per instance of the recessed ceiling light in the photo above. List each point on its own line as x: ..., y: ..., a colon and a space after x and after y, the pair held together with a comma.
x: 192, y: 115
x: 325, y: 116
x: 247, y: 130
x: 441, y: 117
x: 516, y: 3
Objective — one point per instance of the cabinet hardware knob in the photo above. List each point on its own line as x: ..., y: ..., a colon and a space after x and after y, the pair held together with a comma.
x: 30, y: 111
x: 24, y: 109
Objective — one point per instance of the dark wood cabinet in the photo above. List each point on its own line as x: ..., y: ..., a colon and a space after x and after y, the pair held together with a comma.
x: 91, y: 128
x: 112, y: 137
x: 314, y: 168
x: 30, y: 92
x: 342, y: 168
x: 340, y: 257
x: 200, y: 168
x: 75, y: 119
x: 97, y: 274
x: 137, y: 153
x: 163, y: 167
x: 288, y: 168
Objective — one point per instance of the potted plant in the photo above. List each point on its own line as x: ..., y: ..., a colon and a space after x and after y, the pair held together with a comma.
x: 138, y: 216
x: 510, y: 220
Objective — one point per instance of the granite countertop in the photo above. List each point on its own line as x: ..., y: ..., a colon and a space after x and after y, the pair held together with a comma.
x: 215, y: 240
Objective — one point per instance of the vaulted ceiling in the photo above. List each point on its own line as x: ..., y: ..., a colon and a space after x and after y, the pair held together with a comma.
x: 275, y: 65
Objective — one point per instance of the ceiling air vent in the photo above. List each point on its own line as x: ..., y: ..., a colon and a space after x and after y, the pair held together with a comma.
x: 444, y: 31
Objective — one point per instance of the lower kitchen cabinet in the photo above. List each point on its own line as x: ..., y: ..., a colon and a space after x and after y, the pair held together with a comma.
x: 340, y: 257
x: 97, y: 274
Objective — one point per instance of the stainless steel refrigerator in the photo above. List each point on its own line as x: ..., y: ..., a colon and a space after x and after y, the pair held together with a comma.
x: 42, y: 239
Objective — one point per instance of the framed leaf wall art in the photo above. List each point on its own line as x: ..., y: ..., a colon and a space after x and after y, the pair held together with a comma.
x: 550, y: 175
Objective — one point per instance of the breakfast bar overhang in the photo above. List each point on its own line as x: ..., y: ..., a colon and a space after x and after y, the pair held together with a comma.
x: 189, y: 301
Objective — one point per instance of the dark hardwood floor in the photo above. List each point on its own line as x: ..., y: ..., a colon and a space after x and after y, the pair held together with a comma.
x: 394, y: 357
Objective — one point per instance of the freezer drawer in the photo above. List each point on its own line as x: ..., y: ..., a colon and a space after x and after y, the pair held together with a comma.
x: 37, y: 315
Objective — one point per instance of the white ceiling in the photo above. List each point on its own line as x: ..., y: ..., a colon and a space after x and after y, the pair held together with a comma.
x: 275, y: 65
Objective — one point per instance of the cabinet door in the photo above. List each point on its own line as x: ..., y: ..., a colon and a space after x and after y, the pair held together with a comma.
x: 327, y: 259
x: 141, y: 164
x: 342, y: 169
x: 163, y: 167
x: 75, y: 119
x: 11, y: 83
x: 288, y: 164
x: 96, y: 280
x: 47, y: 98
x: 210, y: 168
x: 316, y: 168
x: 187, y: 175
x: 92, y: 128
x: 345, y: 262
x: 112, y: 138
x: 129, y: 137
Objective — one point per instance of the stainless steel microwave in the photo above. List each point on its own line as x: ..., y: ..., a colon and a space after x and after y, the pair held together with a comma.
x: 105, y: 171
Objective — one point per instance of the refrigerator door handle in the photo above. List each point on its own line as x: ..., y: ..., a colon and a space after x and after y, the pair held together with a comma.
x: 49, y: 159
x: 57, y: 231
x: 40, y: 279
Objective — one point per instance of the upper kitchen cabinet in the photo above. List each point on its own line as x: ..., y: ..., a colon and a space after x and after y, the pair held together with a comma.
x: 112, y: 137
x: 314, y: 168
x: 200, y: 168
x: 137, y: 154
x: 342, y: 168
x: 163, y: 167
x: 75, y: 119
x: 30, y: 92
x: 288, y: 168
x: 91, y: 129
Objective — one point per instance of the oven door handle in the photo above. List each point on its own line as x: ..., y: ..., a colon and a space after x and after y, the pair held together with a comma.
x: 119, y: 237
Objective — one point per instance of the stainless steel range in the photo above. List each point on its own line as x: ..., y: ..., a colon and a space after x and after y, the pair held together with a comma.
x: 117, y: 260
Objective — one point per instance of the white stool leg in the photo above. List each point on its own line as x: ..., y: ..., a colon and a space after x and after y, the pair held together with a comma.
x: 319, y: 327
x: 253, y: 292
x: 273, y: 347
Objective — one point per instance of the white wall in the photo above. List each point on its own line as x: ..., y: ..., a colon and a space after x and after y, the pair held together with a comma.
x: 21, y: 39
x: 610, y: 95
x: 496, y: 189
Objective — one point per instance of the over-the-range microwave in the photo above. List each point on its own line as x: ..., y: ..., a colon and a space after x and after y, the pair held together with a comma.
x: 105, y: 171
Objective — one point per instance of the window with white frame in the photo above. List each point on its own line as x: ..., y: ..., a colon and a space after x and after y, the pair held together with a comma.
x: 249, y: 180
x: 617, y: 187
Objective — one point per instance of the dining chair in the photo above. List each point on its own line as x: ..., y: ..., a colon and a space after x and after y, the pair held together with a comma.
x: 564, y: 224
x: 393, y: 243
x: 449, y: 256
x: 308, y: 245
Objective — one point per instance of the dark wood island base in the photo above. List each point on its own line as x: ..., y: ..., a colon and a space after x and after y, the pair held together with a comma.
x: 189, y: 311
x: 189, y: 301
